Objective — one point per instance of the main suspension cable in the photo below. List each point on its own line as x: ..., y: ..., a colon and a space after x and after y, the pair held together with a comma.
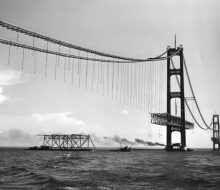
x: 192, y: 91
x: 62, y: 43
x: 190, y: 111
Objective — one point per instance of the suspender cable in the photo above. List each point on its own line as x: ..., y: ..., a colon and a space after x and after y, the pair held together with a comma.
x: 33, y: 46
x: 125, y: 80
x: 93, y: 74
x: 107, y: 78
x: 138, y: 84
x: 127, y: 83
x: 59, y: 57
x: 79, y: 69
x: 140, y: 78
x: 113, y: 78
x: 145, y: 72
x: 135, y: 85
x: 72, y: 70
x: 17, y: 38
x: 151, y: 87
x: 103, y: 78
x: 46, y: 62
x: 9, y: 54
x: 101, y: 71
x: 86, y: 69
x: 22, y: 64
x: 64, y: 70
x: 121, y: 85
x: 35, y: 61
x: 56, y: 67
x: 142, y: 84
x: 131, y: 81
x: 98, y: 71
x: 117, y: 78
x: 69, y: 60
x: 156, y: 78
x: 137, y: 77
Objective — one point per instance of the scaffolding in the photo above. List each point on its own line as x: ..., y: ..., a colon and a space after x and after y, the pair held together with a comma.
x: 67, y: 142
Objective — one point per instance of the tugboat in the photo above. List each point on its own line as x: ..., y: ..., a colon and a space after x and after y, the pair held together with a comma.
x: 42, y: 147
x: 123, y: 149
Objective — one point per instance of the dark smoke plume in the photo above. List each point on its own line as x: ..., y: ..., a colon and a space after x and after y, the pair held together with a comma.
x: 119, y: 140
x: 125, y: 141
x: 140, y: 141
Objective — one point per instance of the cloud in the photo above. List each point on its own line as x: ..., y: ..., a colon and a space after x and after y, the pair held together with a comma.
x: 60, y: 118
x: 124, y: 112
x: 2, y: 97
x: 15, y: 137
x: 10, y: 77
x: 64, y: 122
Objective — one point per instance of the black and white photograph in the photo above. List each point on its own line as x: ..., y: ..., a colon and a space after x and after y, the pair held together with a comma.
x: 109, y: 94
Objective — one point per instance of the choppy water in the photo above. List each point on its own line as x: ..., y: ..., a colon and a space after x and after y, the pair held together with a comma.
x: 147, y: 169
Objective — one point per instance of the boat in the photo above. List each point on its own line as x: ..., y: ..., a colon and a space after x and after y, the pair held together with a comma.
x: 123, y: 149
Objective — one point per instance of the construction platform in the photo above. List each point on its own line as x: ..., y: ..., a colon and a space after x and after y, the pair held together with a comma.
x: 167, y: 119
x: 73, y: 142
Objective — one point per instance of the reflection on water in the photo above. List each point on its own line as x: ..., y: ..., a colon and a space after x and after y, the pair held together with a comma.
x: 101, y: 169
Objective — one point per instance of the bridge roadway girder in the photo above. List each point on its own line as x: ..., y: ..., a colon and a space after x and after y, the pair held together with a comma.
x: 167, y: 119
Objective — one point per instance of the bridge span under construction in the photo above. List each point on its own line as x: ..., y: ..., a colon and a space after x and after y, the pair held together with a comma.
x: 75, y: 142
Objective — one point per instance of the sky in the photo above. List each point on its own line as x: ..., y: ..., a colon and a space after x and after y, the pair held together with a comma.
x: 31, y: 104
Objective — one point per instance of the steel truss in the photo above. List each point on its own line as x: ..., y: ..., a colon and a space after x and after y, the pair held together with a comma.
x: 167, y: 119
x: 67, y: 142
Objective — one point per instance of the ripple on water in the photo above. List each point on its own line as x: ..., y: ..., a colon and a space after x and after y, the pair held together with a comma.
x: 106, y: 170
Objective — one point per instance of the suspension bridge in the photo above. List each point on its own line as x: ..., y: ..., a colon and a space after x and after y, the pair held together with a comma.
x: 140, y: 83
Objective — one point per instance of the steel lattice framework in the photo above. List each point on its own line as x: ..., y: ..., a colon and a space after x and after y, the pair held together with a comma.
x: 67, y: 142
x: 166, y: 119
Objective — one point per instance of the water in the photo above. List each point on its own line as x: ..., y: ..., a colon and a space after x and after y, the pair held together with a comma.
x: 141, y: 169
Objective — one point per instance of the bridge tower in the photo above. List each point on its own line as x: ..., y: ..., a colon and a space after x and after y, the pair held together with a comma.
x: 174, y: 123
x: 180, y: 94
x: 216, y: 132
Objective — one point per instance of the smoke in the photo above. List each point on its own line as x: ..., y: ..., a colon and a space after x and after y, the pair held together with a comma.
x: 140, y: 141
x: 117, y: 140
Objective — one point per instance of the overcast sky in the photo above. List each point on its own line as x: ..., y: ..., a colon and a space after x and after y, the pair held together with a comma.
x: 142, y: 28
